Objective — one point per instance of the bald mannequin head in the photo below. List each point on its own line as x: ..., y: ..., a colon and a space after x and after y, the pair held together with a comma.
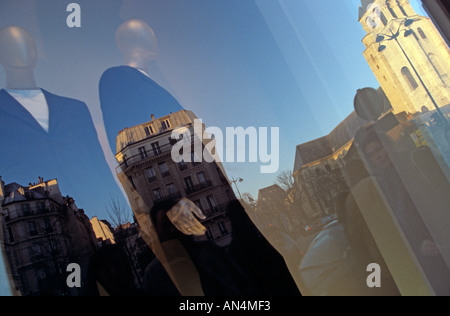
x: 18, y: 55
x: 137, y: 43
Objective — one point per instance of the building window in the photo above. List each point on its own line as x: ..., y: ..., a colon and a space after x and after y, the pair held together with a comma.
x: 37, y: 251
x: 189, y: 184
x: 409, y: 77
x: 32, y: 230
x: 143, y: 152
x: 40, y: 206
x: 26, y: 210
x: 163, y: 169
x: 166, y: 124
x: 149, y: 130
x: 223, y: 228
x: 212, y: 203
x: 394, y: 15
x: 171, y: 190
x: 157, y: 194
x: 156, y: 149
x: 422, y: 33
x: 403, y: 10
x: 383, y: 18
x: 201, y: 177
x: 151, y: 174
x: 209, y: 234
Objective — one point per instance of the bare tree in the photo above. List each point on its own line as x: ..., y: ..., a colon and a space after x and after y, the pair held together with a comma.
x: 285, y: 180
x: 118, y: 214
x: 248, y: 198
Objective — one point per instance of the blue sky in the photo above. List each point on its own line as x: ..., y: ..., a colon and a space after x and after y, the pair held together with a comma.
x: 291, y: 64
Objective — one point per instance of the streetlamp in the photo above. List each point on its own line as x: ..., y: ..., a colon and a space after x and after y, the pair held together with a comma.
x: 381, y: 37
x: 235, y: 181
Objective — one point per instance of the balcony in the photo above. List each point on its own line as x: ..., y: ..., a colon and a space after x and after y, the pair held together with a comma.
x: 20, y: 214
x: 170, y: 197
x: 198, y: 187
x: 215, y: 211
x: 149, y: 154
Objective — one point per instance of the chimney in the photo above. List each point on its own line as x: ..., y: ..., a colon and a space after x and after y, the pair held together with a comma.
x: 153, y: 117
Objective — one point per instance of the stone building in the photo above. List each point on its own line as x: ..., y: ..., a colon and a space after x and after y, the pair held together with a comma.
x: 148, y: 173
x: 44, y: 232
x: 318, y: 168
x: 407, y: 54
x: 103, y: 231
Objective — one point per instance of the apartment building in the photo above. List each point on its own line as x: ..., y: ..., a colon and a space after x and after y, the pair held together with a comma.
x: 44, y: 232
x: 149, y: 173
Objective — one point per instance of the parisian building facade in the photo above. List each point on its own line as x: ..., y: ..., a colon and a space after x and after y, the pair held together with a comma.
x: 44, y: 232
x: 149, y: 174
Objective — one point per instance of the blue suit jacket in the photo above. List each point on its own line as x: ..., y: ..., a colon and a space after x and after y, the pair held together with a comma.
x: 70, y: 152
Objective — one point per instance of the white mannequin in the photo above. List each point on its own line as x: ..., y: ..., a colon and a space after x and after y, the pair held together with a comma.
x: 18, y: 56
x: 137, y: 42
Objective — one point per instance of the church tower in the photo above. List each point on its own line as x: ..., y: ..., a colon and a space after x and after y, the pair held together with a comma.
x: 407, y: 54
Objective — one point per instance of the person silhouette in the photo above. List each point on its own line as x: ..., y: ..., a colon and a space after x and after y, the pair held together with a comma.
x: 45, y: 135
x: 127, y: 93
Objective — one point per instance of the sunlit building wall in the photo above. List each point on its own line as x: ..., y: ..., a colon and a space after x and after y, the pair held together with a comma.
x: 102, y: 231
x: 407, y: 54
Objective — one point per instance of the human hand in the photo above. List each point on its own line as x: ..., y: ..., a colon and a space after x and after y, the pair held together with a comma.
x: 182, y: 217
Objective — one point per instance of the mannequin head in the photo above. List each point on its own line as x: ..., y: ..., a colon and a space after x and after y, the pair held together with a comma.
x: 18, y: 55
x: 137, y: 43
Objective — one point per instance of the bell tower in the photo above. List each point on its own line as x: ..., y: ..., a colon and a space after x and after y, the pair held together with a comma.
x: 407, y: 54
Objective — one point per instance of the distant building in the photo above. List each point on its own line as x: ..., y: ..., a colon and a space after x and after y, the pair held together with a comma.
x: 318, y: 168
x: 270, y: 207
x: 44, y: 233
x: 407, y: 54
x: 148, y: 173
x: 103, y: 231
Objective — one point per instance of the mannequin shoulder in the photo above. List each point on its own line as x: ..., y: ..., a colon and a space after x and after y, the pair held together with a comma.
x: 66, y: 106
x: 114, y: 73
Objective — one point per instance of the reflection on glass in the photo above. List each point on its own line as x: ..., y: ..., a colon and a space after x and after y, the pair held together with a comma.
x: 373, y: 192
